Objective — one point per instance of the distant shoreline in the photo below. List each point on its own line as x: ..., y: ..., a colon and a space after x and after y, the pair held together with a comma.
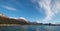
x: 24, y: 25
x: 9, y: 24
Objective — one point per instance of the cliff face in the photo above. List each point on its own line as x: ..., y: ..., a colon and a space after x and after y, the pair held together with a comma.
x: 7, y: 20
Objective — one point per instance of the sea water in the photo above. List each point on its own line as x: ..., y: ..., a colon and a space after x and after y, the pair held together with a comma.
x: 30, y: 28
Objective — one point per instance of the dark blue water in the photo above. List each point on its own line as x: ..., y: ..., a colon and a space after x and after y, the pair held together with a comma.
x: 30, y: 28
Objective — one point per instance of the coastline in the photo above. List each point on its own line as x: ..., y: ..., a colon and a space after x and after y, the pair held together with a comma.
x: 9, y: 24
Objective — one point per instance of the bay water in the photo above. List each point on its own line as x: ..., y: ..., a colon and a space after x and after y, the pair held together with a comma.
x: 30, y: 28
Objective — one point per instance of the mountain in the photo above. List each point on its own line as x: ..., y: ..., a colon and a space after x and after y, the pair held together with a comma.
x: 6, y: 20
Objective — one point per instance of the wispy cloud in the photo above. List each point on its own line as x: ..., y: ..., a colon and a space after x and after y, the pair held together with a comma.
x: 51, y: 8
x: 56, y: 6
x: 46, y: 5
x: 9, y: 8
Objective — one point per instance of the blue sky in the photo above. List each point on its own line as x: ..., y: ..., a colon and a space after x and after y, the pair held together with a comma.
x: 45, y: 11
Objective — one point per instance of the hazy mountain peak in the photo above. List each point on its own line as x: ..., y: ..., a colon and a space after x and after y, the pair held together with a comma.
x: 22, y: 18
x: 2, y: 15
x: 13, y: 17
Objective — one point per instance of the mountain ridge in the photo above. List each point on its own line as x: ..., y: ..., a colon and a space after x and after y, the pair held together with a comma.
x: 6, y: 20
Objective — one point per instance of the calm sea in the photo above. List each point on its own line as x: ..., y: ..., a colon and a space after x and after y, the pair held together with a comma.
x: 29, y: 28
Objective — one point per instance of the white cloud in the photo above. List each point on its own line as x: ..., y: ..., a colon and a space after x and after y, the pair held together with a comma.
x: 50, y: 9
x: 9, y: 8
x: 56, y: 6
x: 46, y: 5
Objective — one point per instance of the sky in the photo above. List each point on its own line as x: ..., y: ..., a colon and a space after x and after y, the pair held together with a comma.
x: 41, y: 11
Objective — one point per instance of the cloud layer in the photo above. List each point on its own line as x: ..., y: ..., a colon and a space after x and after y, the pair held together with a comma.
x: 51, y: 7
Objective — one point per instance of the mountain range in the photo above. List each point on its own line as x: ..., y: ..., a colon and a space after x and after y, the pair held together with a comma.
x: 6, y: 20
x: 20, y: 21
